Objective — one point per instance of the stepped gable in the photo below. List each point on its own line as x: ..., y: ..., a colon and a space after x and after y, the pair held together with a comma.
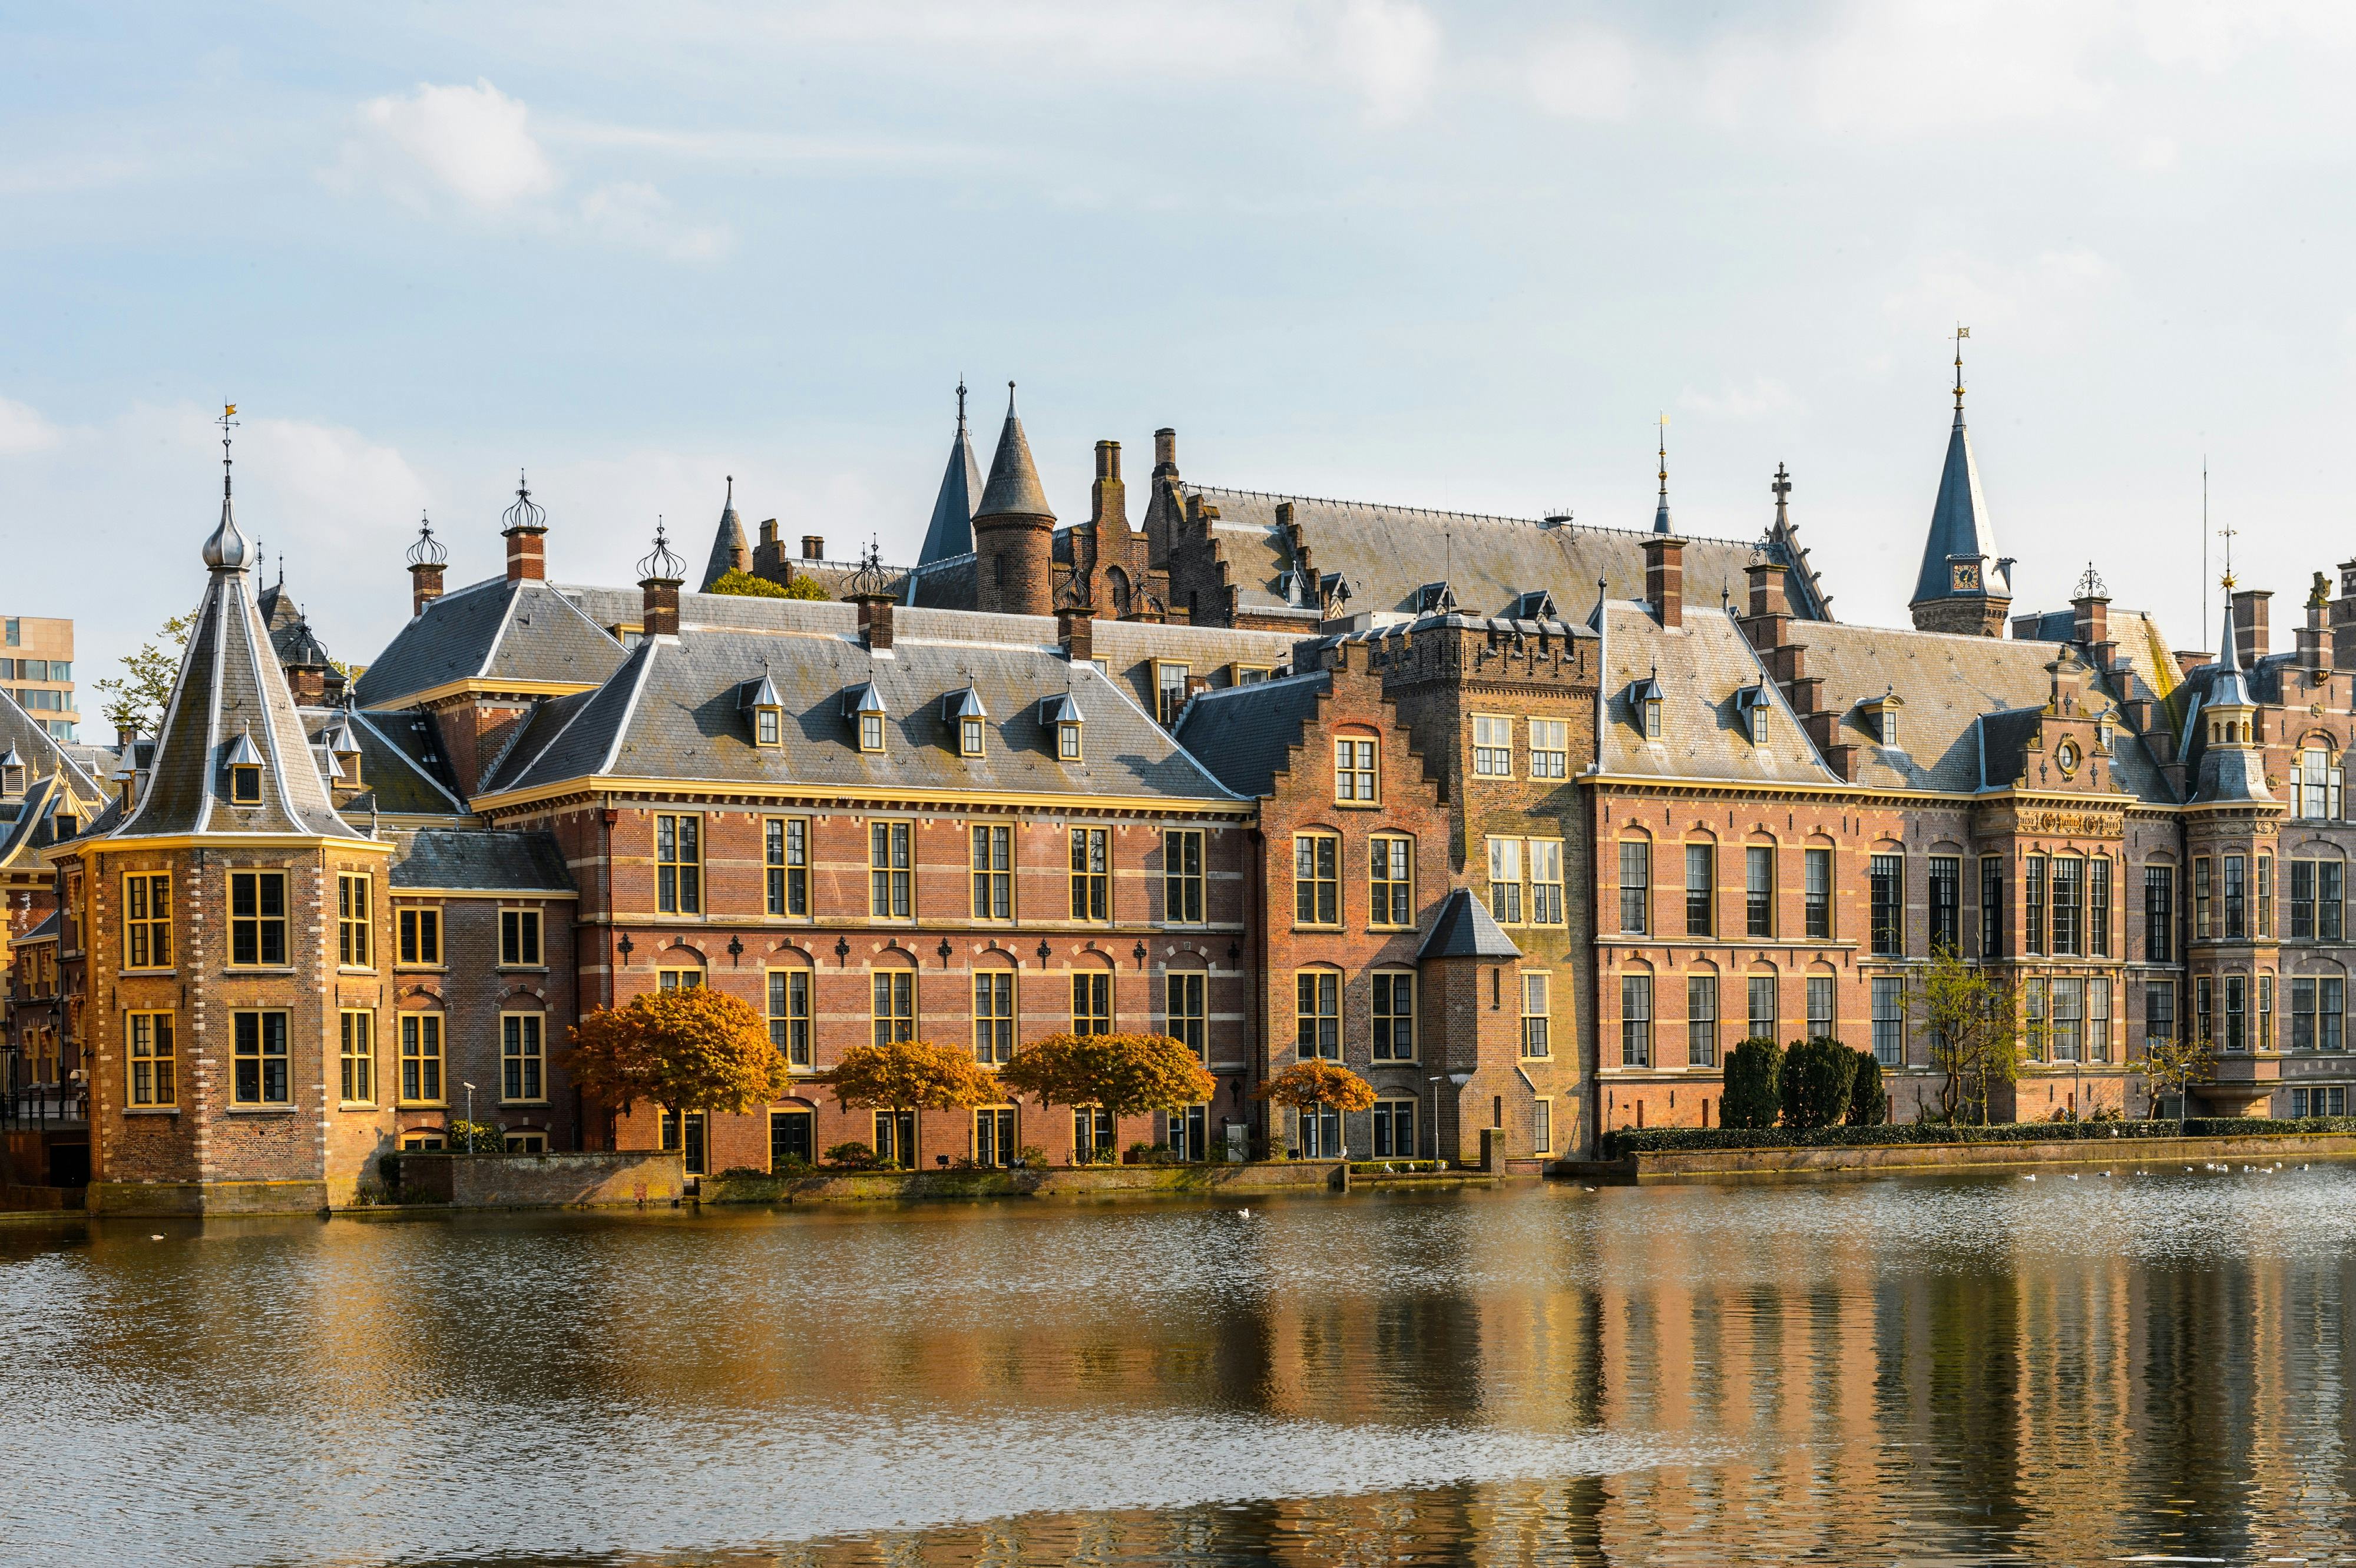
x: 1703, y: 672
x: 494, y: 630
x: 231, y: 697
x: 674, y: 712
x: 1385, y: 553
x: 1245, y: 734
x: 42, y: 753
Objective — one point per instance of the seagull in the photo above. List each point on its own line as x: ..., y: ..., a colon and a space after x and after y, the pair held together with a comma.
x: 157, y: 1237
x: 2028, y: 1179
x: 2074, y: 1176
x: 1245, y: 1212
x: 1591, y: 1189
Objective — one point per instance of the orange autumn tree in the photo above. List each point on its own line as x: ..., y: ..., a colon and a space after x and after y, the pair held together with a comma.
x: 1128, y: 1075
x: 908, y: 1075
x: 696, y: 1050
x: 1305, y: 1086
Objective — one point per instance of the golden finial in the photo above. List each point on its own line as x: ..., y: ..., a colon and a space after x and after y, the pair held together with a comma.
x: 1962, y: 332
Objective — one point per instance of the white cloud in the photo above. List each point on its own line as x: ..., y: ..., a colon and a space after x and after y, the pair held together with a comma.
x: 1762, y: 396
x: 1390, y: 50
x: 637, y: 214
x: 2050, y: 291
x: 23, y: 430
x: 1588, y: 75
x: 473, y: 141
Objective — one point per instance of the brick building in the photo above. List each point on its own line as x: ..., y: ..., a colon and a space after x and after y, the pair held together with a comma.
x: 1527, y: 821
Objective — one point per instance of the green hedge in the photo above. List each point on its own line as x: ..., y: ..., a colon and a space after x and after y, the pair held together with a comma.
x: 1623, y: 1142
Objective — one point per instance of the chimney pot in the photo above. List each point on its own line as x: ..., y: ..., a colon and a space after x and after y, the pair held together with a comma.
x: 2252, y: 637
x: 425, y: 587
x: 1165, y: 450
x: 1107, y: 460
x: 1665, y: 577
x: 813, y: 547
x: 769, y: 530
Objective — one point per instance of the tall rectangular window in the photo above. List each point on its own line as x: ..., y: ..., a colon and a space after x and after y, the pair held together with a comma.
x: 1316, y: 879
x: 1636, y: 887
x: 152, y: 1079
x: 1821, y: 1022
x: 2327, y: 907
x: 2302, y: 900
x: 2263, y: 1039
x: 353, y: 947
x: 2098, y: 906
x: 1817, y: 893
x: 2159, y: 914
x: 2098, y: 1019
x: 1493, y: 746
x: 891, y: 870
x: 2204, y: 924
x: 421, y: 1058
x: 2237, y: 1013
x: 678, y: 864
x: 1888, y: 875
x: 1186, y: 1010
x: 2237, y: 925
x: 1537, y: 1012
x: 2302, y: 1015
x: 1759, y: 891
x: 993, y: 872
x: 1355, y: 773
x: 1182, y: 876
x: 1550, y: 749
x: 1889, y: 1019
x: 1542, y: 1126
x: 420, y: 929
x: 1991, y: 906
x: 1169, y: 691
x: 893, y: 1011
x: 2069, y: 906
x: 2159, y: 1011
x: 1394, y: 1016
x: 2265, y: 895
x: 785, y: 853
x: 521, y: 1058
x: 2035, y: 1033
x: 1946, y: 907
x: 1092, y: 1002
x: 1761, y: 1022
x: 519, y: 938
x: 355, y: 1056
x: 148, y: 921
x: 2331, y: 998
x: 1701, y: 890
x: 1701, y: 1020
x: 1545, y: 882
x: 1391, y: 882
x: 1506, y: 881
x: 258, y: 1056
x: 1317, y: 1014
x: 2032, y: 904
x: 1091, y: 874
x: 789, y: 1014
x: 2205, y: 1010
x: 1635, y: 1020
x: 2067, y: 1018
x: 257, y: 923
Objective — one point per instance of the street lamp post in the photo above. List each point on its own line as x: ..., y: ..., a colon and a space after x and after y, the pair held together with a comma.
x: 470, y: 1117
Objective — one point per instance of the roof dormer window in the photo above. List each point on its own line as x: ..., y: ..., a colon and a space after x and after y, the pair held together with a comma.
x: 244, y: 772
x: 964, y: 710
x: 1644, y: 704
x: 865, y: 706
x: 1881, y: 715
x: 1063, y: 715
x: 1754, y: 707
x: 12, y: 773
x: 760, y: 699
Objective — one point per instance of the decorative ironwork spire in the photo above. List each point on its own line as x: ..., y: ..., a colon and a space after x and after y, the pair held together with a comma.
x: 427, y: 551
x: 1962, y: 332
x: 1661, y: 513
x: 525, y: 516
x: 659, y: 564
x: 2091, y: 584
x: 228, y: 550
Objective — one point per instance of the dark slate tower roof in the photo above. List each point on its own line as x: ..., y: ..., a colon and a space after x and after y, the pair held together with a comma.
x: 728, y: 547
x: 1960, y: 525
x: 1013, y: 489
x: 37, y: 751
x: 231, y: 697
x: 951, y: 531
x: 1465, y: 929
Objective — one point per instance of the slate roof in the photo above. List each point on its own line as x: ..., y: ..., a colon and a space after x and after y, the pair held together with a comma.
x: 1702, y: 667
x: 1465, y: 929
x: 231, y: 691
x: 42, y: 752
x: 950, y: 533
x: 1385, y: 553
x: 1013, y: 489
x: 1959, y: 524
x: 492, y: 630
x: 401, y: 768
x: 1245, y: 734
x: 672, y: 711
x: 728, y: 545
x: 481, y: 860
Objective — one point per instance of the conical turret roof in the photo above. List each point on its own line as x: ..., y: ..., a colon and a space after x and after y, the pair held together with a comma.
x: 1013, y: 489
x: 729, y: 550
x: 950, y: 533
x: 1960, y: 526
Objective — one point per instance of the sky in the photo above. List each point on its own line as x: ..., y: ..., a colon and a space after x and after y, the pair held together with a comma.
x: 1459, y: 257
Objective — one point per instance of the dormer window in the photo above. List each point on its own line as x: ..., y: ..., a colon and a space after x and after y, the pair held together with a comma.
x: 1753, y: 706
x: 68, y: 824
x: 964, y: 710
x: 760, y: 699
x: 244, y: 772
x: 1889, y: 726
x: 1063, y: 716
x: 2103, y: 741
x: 1881, y: 717
x: 12, y: 773
x: 1644, y: 704
x: 865, y: 706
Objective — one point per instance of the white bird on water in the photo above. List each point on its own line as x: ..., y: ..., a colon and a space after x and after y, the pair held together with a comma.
x: 2028, y: 1179
x: 1245, y: 1212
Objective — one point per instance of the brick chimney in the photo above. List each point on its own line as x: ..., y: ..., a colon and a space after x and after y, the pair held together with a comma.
x: 1107, y: 498
x: 2312, y: 635
x: 1165, y: 452
x: 526, y: 534
x: 874, y: 621
x: 2252, y: 638
x: 427, y: 560
x: 2090, y: 614
x: 1665, y: 577
x: 813, y: 547
x: 1076, y: 631
x: 659, y: 574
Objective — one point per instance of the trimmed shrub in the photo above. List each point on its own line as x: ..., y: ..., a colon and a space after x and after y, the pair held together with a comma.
x: 1868, y: 1102
x: 1754, y: 1079
x: 1817, y: 1075
x: 856, y: 1156
x: 1623, y: 1142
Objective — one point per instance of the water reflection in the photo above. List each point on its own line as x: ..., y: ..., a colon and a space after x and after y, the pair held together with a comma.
x: 1918, y: 1369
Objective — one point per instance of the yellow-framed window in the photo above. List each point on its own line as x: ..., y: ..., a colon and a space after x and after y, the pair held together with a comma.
x: 1390, y: 882
x: 1542, y: 1126
x: 147, y: 920
x: 1091, y: 874
x: 1550, y: 749
x: 1185, y: 1009
x: 678, y: 978
x: 993, y: 872
x: 678, y: 862
x: 1357, y: 774
x: 895, y: 1005
x: 1493, y: 746
x: 1545, y: 882
x: 1092, y: 1002
x: 784, y: 852
x: 994, y: 1017
x: 419, y: 926
x: 1537, y: 1012
x: 1394, y: 1016
x: 355, y: 1056
x: 1316, y: 879
x: 891, y: 870
x: 355, y: 908
x: 789, y: 1014
x: 257, y: 919
x: 154, y: 1079
x: 519, y: 940
x: 421, y: 1059
x: 1317, y: 1014
x: 259, y: 1071
x: 522, y: 1058
x: 1182, y: 876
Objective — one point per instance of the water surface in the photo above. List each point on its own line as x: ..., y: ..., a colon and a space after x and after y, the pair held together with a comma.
x: 1915, y: 1370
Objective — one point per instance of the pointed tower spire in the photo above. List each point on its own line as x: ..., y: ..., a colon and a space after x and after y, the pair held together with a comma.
x: 950, y: 533
x: 1014, y: 529
x: 730, y: 552
x: 1661, y: 513
x: 1962, y: 586
x: 228, y: 550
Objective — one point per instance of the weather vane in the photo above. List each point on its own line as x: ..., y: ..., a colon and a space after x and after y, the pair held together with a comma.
x: 1962, y: 332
